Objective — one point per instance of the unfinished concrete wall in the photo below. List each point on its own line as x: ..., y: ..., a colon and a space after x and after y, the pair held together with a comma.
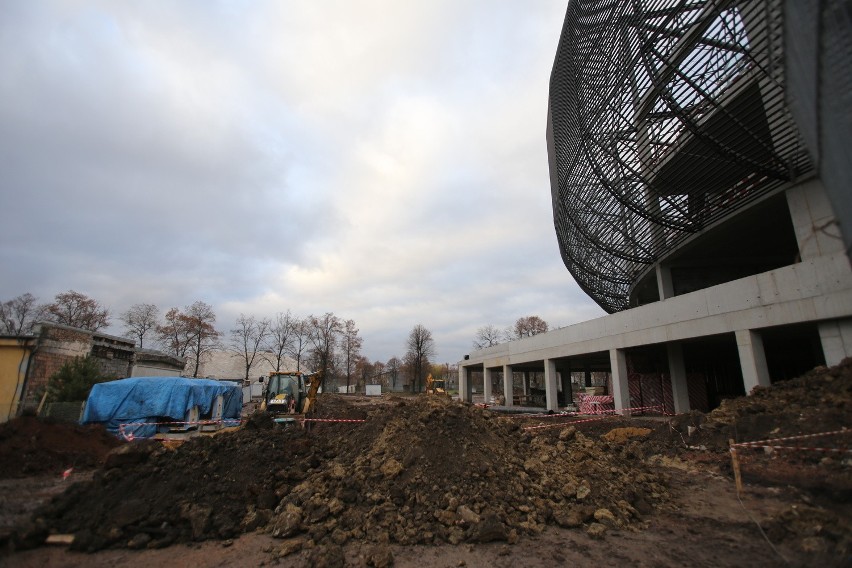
x: 56, y: 346
x: 156, y: 364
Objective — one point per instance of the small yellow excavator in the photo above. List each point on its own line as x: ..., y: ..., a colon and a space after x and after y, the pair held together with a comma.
x: 436, y: 386
x: 290, y: 395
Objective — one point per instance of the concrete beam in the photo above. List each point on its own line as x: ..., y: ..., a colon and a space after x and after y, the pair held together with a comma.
x: 752, y: 359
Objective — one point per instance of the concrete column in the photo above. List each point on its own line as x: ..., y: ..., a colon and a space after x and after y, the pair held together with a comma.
x: 487, y: 376
x: 752, y: 359
x: 664, y: 281
x: 677, y: 371
x: 836, y: 339
x: 565, y: 379
x: 465, y: 393
x: 813, y: 220
x: 620, y: 391
x: 550, y: 384
x: 526, y: 383
x: 508, y: 389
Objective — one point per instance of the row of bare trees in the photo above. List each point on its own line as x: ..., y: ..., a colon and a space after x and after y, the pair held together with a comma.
x: 490, y: 335
x: 18, y: 315
x: 330, y: 345
x: 324, y: 343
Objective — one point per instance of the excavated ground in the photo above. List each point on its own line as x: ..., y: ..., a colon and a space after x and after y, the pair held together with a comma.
x: 428, y: 471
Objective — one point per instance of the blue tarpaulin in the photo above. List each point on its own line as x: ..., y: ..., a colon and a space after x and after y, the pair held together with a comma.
x: 141, y: 402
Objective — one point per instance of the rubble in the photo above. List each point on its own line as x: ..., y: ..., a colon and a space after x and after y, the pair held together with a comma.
x: 426, y: 470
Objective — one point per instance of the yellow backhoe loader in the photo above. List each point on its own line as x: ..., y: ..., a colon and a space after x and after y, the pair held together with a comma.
x: 436, y: 386
x: 290, y: 395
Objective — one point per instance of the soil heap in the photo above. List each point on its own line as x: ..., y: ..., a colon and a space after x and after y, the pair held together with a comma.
x: 422, y: 470
x: 31, y: 446
x: 428, y: 470
x: 818, y: 401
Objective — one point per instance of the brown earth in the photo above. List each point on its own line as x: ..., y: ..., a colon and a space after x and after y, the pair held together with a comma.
x: 31, y: 446
x: 428, y: 481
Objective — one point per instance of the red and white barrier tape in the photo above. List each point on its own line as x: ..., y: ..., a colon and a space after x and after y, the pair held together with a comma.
x: 609, y: 414
x: 801, y: 437
x: 570, y: 423
x: 772, y: 443
x: 808, y: 449
x: 331, y: 420
x: 545, y: 415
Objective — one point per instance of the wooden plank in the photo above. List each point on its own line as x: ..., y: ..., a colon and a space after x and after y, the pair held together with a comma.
x: 60, y: 539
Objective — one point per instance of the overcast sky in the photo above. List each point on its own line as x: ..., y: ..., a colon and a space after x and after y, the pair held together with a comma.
x: 383, y: 160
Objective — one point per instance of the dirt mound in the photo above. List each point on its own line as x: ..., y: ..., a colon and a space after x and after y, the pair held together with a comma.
x: 426, y: 470
x: 816, y: 402
x: 418, y: 471
x: 31, y: 446
x: 622, y: 435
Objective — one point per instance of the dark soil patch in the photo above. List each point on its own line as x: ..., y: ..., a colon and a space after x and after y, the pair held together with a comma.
x: 31, y: 446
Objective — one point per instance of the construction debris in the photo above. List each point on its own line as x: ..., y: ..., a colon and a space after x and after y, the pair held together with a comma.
x: 426, y: 470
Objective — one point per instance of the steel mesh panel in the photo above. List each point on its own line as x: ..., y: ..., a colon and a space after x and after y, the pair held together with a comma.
x: 666, y: 116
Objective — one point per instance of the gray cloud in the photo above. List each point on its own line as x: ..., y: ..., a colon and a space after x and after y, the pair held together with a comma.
x: 381, y: 160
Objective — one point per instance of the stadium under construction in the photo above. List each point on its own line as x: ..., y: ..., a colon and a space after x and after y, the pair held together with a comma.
x: 700, y: 165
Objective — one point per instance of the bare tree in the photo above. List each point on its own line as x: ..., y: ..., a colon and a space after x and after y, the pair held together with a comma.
x: 205, y: 337
x: 363, y: 370
x: 175, y: 334
x: 529, y: 326
x: 350, y: 344
x: 280, y: 338
x: 246, y: 339
x: 18, y: 315
x: 379, y: 374
x: 323, y: 333
x: 421, y: 347
x: 392, y: 369
x: 301, y: 340
x: 487, y: 336
x: 190, y: 334
x: 139, y: 320
x: 77, y: 310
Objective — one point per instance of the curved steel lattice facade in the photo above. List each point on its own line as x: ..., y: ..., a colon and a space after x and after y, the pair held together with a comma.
x: 664, y: 116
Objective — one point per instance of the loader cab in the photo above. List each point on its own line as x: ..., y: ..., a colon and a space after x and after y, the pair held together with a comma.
x: 284, y: 393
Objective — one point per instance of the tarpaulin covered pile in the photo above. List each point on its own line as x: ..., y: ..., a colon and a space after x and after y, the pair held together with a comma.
x: 140, y: 402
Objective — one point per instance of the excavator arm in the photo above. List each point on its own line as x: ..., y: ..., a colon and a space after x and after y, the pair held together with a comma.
x: 315, y: 379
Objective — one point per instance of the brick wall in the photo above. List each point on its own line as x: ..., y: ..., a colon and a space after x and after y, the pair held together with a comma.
x: 59, y: 344
x: 56, y: 346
